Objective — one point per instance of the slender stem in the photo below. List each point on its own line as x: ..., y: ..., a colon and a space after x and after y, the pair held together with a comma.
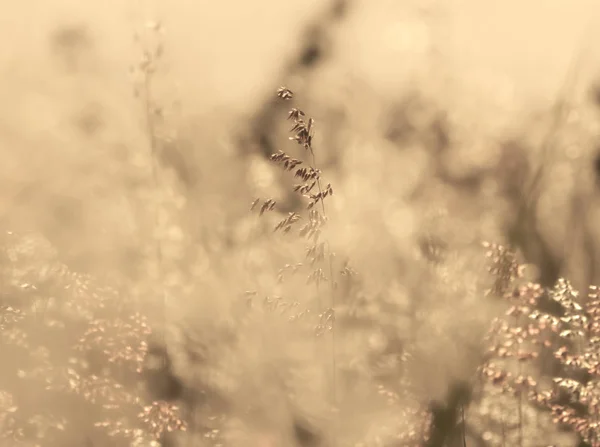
x: 153, y: 141
x: 332, y: 286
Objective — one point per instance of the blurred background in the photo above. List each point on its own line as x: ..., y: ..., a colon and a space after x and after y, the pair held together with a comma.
x: 439, y: 124
x: 383, y: 80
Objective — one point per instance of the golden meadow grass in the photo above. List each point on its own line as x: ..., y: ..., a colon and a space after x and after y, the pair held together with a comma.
x: 275, y: 331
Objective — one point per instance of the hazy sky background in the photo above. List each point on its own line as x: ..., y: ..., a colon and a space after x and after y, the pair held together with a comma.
x: 228, y: 52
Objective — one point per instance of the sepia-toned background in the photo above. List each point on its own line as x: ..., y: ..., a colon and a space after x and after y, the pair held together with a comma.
x: 439, y: 124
